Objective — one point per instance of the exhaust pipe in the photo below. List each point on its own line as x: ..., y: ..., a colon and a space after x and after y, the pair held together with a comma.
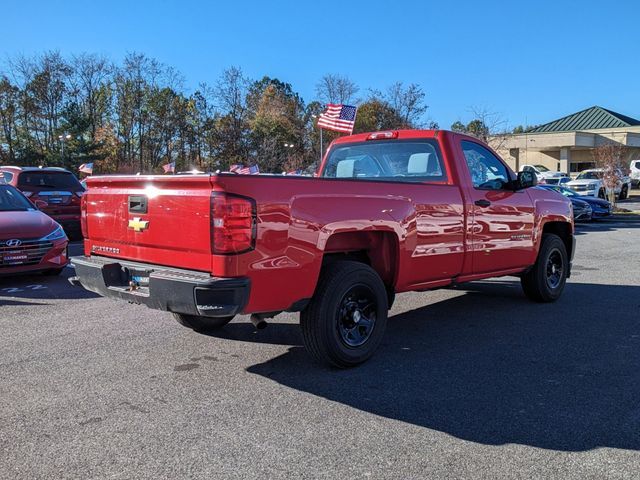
x: 258, y: 322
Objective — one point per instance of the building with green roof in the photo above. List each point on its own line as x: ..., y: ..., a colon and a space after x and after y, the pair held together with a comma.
x: 567, y: 144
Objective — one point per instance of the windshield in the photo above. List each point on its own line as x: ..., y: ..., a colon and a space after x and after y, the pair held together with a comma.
x: 567, y: 192
x: 541, y: 168
x: 11, y: 200
x: 395, y: 160
x: 55, y: 180
x: 589, y: 176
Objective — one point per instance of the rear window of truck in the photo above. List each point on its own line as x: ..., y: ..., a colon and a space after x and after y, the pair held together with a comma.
x: 59, y: 181
x: 394, y: 161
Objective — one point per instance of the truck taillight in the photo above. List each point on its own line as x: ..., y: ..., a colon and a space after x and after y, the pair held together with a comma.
x: 233, y: 223
x: 83, y: 217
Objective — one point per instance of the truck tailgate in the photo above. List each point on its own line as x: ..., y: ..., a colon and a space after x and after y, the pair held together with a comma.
x: 155, y: 219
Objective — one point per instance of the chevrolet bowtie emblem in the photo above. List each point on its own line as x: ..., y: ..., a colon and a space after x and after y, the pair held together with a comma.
x: 137, y: 224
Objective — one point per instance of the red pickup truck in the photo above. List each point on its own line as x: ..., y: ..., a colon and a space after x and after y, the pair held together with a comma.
x: 387, y: 212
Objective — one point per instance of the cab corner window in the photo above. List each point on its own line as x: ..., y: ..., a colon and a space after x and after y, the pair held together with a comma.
x: 486, y: 170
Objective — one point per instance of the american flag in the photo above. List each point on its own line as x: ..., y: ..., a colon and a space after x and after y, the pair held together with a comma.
x: 339, y: 118
x: 169, y: 167
x: 86, y: 168
x: 252, y: 170
x: 235, y: 167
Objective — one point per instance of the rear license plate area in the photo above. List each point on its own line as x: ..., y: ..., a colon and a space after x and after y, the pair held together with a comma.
x: 125, y: 278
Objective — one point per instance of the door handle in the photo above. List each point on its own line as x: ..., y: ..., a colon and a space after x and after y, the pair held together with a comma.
x: 482, y: 203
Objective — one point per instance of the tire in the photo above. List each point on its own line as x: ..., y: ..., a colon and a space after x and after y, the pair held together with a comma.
x: 546, y: 279
x: 334, y: 330
x: 624, y: 192
x: 201, y: 324
x: 53, y: 272
x: 602, y: 194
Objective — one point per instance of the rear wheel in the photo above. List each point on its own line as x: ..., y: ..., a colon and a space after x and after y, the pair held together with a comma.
x: 602, y: 194
x: 345, y: 321
x: 546, y: 279
x: 201, y: 324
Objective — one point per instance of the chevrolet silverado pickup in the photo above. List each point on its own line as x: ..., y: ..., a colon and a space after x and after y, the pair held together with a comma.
x: 387, y: 212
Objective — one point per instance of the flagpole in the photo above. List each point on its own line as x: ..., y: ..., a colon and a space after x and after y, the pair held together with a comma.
x: 320, y: 145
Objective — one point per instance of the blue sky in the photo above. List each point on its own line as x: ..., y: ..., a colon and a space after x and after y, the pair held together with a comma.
x: 528, y: 61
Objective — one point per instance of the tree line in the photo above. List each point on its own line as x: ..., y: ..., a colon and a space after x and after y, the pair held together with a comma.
x: 137, y: 115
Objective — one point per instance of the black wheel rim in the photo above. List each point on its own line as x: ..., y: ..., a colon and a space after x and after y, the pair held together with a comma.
x: 357, y: 316
x: 555, y: 269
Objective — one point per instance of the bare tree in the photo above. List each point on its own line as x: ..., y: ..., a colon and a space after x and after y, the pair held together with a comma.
x: 609, y: 157
x: 8, y: 119
x: 336, y: 89
x: 408, y: 102
x: 91, y: 83
x: 230, y: 94
x: 488, y: 126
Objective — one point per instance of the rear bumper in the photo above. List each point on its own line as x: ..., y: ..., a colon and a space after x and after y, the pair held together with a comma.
x: 162, y: 288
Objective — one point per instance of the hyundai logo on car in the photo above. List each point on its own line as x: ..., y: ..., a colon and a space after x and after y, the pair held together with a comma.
x: 14, y: 242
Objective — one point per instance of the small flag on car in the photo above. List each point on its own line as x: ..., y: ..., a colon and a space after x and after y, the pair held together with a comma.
x: 252, y: 170
x: 86, y: 168
x: 235, y: 168
x: 169, y: 167
x: 338, y: 117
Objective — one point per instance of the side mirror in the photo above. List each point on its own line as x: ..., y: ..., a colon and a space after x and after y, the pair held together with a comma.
x: 40, y: 204
x: 526, y: 179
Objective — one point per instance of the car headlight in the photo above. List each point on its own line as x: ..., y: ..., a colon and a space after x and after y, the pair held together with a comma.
x: 57, y: 234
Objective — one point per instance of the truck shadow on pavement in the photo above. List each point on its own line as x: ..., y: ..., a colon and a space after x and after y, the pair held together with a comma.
x: 490, y: 367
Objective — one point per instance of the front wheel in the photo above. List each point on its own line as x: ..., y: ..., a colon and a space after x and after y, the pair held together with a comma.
x: 345, y: 321
x: 201, y: 324
x: 546, y: 279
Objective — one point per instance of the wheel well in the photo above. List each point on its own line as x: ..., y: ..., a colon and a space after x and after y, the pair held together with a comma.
x: 561, y: 229
x: 379, y: 250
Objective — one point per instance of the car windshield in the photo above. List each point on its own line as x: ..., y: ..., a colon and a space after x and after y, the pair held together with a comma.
x: 56, y: 180
x: 541, y: 168
x: 589, y: 176
x: 11, y: 200
x: 396, y: 160
x: 567, y: 192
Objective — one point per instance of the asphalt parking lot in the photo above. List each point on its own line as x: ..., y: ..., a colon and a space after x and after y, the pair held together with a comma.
x: 473, y: 382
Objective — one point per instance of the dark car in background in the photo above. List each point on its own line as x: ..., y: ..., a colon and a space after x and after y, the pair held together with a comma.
x: 599, y: 207
x: 30, y: 241
x: 58, y: 187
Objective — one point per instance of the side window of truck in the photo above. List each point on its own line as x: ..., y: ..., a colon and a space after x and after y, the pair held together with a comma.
x: 487, y: 171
